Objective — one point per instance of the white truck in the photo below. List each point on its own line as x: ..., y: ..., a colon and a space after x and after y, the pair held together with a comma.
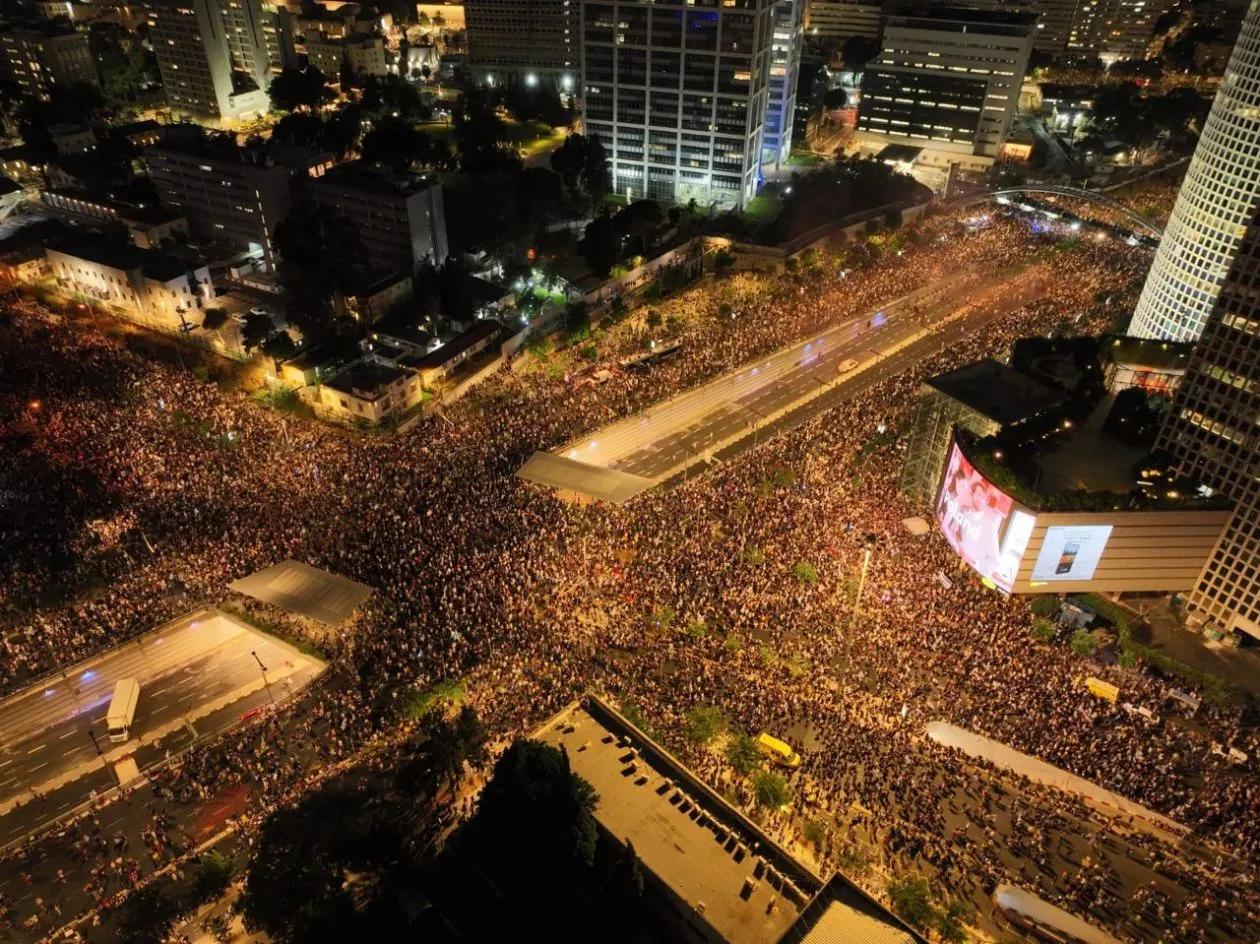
x: 122, y: 709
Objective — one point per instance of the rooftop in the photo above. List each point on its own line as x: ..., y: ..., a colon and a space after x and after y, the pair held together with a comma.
x: 1145, y: 352
x: 1002, y: 22
x: 714, y: 859
x: 365, y: 380
x: 357, y: 175
x: 403, y: 324
x: 459, y: 344
x: 996, y: 391
x: 124, y: 256
x: 901, y: 153
x: 305, y: 590
x: 843, y: 915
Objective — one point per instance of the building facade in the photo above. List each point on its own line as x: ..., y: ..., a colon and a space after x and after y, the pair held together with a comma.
x: 1114, y: 29
x: 677, y: 92
x: 946, y: 81
x: 228, y: 194
x: 39, y: 55
x: 1214, y: 204
x: 1213, y: 436
x: 785, y: 68
x: 524, y: 40
x: 840, y: 19
x: 150, y: 288
x: 216, y: 57
x: 400, y: 218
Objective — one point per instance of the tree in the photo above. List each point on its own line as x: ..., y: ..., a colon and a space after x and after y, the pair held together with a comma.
x: 742, y: 753
x: 949, y: 923
x: 320, y: 252
x: 569, y: 158
x: 723, y: 259
x: 212, y: 319
x: 214, y: 874
x: 296, y: 888
x: 836, y: 98
x: 1043, y: 630
x: 599, y: 245
x: 396, y: 143
x: 595, y: 175
x: 147, y: 916
x: 299, y: 90
x: 771, y: 790
x: 279, y: 347
x: 1083, y: 643
x: 479, y: 133
x: 912, y: 900
x: 536, y: 816
x: 704, y: 723
x: 857, y: 51
x: 256, y: 330
x: 623, y: 896
x: 454, y: 743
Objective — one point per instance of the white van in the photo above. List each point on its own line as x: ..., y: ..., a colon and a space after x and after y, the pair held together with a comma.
x: 122, y: 709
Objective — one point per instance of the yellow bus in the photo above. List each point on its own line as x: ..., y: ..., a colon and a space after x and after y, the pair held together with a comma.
x: 778, y: 751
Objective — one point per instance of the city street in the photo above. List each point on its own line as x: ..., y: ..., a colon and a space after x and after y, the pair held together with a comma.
x: 665, y: 440
x: 197, y: 676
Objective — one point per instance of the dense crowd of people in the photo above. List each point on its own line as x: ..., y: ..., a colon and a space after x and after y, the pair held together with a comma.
x: 131, y: 488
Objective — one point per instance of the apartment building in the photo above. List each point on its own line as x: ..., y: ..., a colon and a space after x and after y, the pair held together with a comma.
x: 1114, y: 29
x: 524, y: 40
x: 233, y: 195
x: 399, y: 217
x: 359, y: 55
x: 945, y: 84
x: 39, y: 54
x: 678, y: 93
x: 216, y: 57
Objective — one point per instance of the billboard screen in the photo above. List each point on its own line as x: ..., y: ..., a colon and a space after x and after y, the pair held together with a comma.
x: 1071, y: 553
x: 982, y: 523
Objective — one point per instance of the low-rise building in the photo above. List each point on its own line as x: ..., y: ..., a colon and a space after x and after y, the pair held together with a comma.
x: 375, y: 294
x: 399, y: 217
x: 24, y: 253
x: 70, y: 139
x: 443, y: 360
x: 356, y: 55
x: 149, y: 227
x: 367, y: 393
x: 152, y: 288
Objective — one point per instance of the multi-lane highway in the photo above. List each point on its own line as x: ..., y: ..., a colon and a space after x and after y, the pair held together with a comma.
x: 833, y: 365
x: 197, y: 676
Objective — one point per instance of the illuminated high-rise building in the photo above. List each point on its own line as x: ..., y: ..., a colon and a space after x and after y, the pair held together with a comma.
x: 1213, y: 435
x: 785, y: 67
x: 1214, y: 206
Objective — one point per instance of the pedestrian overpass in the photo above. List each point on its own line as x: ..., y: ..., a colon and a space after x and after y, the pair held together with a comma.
x: 1140, y: 223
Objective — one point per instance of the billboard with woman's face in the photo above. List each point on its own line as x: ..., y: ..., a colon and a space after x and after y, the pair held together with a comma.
x: 983, y: 524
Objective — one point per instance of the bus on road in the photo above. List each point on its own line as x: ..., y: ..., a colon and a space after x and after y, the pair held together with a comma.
x: 122, y: 709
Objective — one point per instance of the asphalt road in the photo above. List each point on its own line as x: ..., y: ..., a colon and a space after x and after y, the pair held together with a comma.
x: 701, y: 423
x: 196, y: 677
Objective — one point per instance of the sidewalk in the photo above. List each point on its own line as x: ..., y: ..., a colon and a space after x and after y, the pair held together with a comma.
x: 1162, y: 627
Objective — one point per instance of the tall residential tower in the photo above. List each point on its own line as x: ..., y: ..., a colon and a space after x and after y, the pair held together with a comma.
x: 1214, y: 206
x: 216, y: 56
x: 785, y: 68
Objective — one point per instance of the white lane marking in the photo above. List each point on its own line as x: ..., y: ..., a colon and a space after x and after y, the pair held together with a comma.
x: 69, y: 733
x: 35, y: 750
x: 39, y: 767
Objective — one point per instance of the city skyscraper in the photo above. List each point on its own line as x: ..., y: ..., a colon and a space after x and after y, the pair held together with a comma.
x: 785, y: 67
x: 1213, y: 207
x: 677, y: 92
x: 216, y: 57
x: 1213, y: 437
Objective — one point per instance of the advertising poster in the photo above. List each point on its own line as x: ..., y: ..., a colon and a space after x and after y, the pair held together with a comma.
x: 1071, y: 552
x: 982, y: 523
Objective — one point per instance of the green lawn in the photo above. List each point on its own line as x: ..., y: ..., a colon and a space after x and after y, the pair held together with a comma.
x: 762, y: 208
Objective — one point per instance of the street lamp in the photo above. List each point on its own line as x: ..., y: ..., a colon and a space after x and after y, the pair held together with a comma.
x: 270, y: 694
x: 101, y: 754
